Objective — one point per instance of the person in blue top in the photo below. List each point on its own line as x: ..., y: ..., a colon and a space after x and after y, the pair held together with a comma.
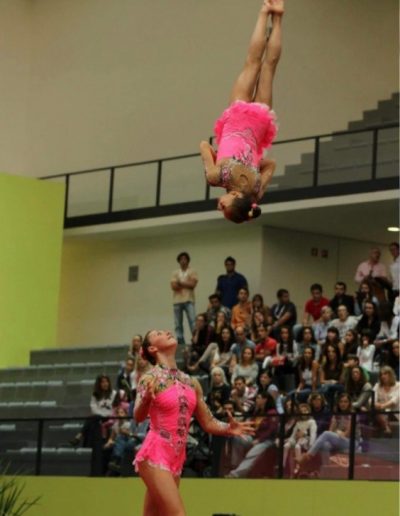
x: 229, y: 284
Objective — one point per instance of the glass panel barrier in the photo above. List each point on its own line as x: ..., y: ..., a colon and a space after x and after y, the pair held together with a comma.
x: 388, y: 153
x: 88, y: 193
x: 135, y: 187
x: 294, y: 165
x: 182, y: 181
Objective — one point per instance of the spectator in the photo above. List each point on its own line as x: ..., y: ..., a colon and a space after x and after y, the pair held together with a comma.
x: 331, y: 373
x: 337, y: 438
x: 240, y: 342
x: 216, y: 307
x: 394, y: 270
x: 265, y: 384
x: 344, y: 321
x: 229, y: 284
x: 241, y: 312
x: 257, y: 319
x: 219, y: 390
x: 258, y: 306
x: 246, y: 368
x: 321, y: 327
x: 371, y: 268
x: 243, y: 396
x: 135, y: 346
x: 308, y: 372
x: 221, y: 322
x: 313, y: 307
x: 285, y: 361
x: 389, y: 329
x: 302, y: 437
x: 369, y: 321
x: 350, y: 344
x: 266, y: 345
x: 217, y: 353
x: 359, y: 389
x: 101, y: 406
x: 352, y: 361
x: 387, y: 396
x: 341, y: 298
x: 283, y: 312
x: 125, y: 379
x: 306, y: 337
x: 203, y: 335
x: 366, y: 352
x: 183, y: 283
x: 392, y: 358
x: 319, y: 411
x: 363, y: 295
x: 267, y: 425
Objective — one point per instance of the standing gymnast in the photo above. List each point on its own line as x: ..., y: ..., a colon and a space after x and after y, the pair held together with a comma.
x: 248, y: 125
x: 170, y: 397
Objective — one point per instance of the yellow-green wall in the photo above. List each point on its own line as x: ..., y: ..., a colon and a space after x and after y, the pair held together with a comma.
x: 31, y: 227
x: 104, y: 497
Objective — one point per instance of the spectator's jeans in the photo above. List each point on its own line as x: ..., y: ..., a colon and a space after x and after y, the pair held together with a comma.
x: 179, y: 308
x: 328, y: 442
x: 122, y: 444
x: 331, y: 391
x: 250, y: 459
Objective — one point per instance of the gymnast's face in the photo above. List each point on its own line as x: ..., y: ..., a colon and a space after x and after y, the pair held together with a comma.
x: 161, y: 340
x: 225, y: 202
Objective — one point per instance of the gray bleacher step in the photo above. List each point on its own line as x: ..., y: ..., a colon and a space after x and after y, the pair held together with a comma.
x: 87, y: 354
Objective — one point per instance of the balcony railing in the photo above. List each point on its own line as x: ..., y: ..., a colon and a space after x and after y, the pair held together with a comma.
x: 339, y: 163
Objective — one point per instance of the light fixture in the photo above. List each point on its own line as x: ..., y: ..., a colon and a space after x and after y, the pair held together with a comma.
x: 393, y: 229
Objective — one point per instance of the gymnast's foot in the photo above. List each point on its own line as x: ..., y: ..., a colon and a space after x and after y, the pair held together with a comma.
x: 276, y: 6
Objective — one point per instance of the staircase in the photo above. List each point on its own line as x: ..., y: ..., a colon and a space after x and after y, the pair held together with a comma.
x: 347, y: 158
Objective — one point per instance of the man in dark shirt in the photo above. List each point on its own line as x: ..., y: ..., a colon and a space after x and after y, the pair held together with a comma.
x: 229, y: 284
x: 283, y: 312
x: 341, y: 298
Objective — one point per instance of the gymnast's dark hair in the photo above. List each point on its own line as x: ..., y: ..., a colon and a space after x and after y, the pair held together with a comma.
x: 244, y: 209
x: 145, y: 349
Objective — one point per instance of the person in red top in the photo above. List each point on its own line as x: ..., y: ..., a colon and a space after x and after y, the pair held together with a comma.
x: 266, y: 345
x: 312, y: 308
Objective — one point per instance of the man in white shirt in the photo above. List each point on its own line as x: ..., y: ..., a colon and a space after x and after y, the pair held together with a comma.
x: 344, y: 322
x: 372, y: 268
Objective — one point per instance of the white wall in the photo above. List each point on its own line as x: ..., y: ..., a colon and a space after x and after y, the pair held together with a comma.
x: 288, y: 263
x: 99, y: 306
x: 121, y: 81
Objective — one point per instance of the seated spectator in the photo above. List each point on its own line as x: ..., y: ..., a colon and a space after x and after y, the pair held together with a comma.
x: 337, y: 438
x: 265, y: 345
x: 101, y: 406
x: 344, y: 321
x: 241, y: 341
x: 364, y: 294
x: 369, y: 320
x: 243, y: 396
x: 366, y: 352
x: 341, y: 298
x: 308, y: 373
x: 331, y: 373
x: 257, y: 319
x: 125, y: 379
x: 247, y: 367
x: 332, y: 338
x: 265, y: 384
x: 215, y: 307
x: 203, y: 334
x: 319, y: 411
x: 135, y: 346
x: 257, y: 304
x: 306, y: 338
x: 220, y: 390
x: 391, y: 359
x: 350, y: 344
x: 241, y: 312
x: 359, y: 389
x: 387, y: 396
x: 222, y: 321
x: 321, y: 327
x: 302, y: 437
x: 352, y: 361
x: 283, y: 312
x: 313, y: 307
x: 217, y: 353
x: 285, y: 361
x: 389, y: 330
x: 266, y: 430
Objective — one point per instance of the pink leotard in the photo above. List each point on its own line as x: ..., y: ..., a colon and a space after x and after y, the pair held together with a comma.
x: 242, y: 133
x: 170, y: 412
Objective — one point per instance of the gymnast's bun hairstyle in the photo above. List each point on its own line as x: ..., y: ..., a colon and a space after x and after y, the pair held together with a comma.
x: 144, y: 350
x: 244, y: 209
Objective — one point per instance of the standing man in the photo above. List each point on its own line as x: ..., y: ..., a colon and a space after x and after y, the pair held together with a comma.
x: 229, y: 284
x: 183, y: 283
x: 394, y: 269
x: 371, y: 268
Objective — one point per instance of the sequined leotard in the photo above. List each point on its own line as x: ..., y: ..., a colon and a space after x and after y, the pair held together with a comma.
x: 170, y: 412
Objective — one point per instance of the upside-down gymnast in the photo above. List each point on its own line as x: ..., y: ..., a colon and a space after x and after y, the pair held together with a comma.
x: 248, y: 125
x: 170, y: 397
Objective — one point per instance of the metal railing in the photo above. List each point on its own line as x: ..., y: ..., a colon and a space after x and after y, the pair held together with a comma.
x: 315, y: 187
x: 360, y: 421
